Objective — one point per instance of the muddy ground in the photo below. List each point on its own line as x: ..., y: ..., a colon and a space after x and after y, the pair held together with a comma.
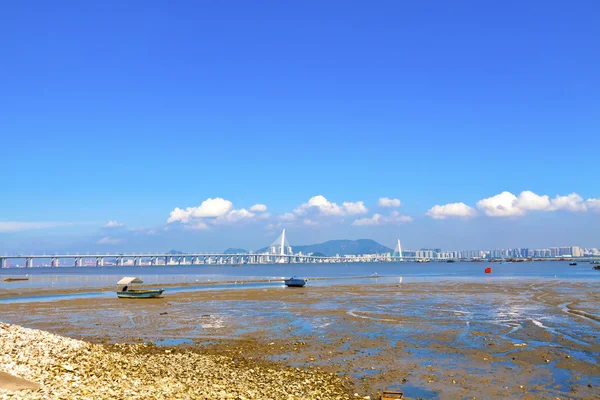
x: 504, y: 339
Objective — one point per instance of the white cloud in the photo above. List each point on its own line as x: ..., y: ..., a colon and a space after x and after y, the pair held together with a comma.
x: 377, y: 219
x: 528, y: 200
x: 355, y: 208
x: 235, y: 216
x: 451, y: 210
x: 113, y: 224
x: 310, y: 222
x: 216, y: 207
x: 287, y: 217
x: 17, y: 226
x: 571, y: 202
x: 214, y: 212
x: 500, y: 205
x: 196, y: 226
x: 109, y: 240
x: 327, y: 208
x: 374, y: 220
x: 593, y: 204
x: 507, y: 204
x: 258, y: 208
x: 387, y: 202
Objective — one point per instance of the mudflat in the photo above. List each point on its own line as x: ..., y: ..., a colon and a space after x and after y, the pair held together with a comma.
x: 453, y: 339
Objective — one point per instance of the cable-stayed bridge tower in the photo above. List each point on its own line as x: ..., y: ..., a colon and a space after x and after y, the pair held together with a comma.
x: 397, y: 254
x: 281, y: 248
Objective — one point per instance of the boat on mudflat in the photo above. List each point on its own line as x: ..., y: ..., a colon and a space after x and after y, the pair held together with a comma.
x: 16, y: 278
x: 294, y: 281
x: 126, y: 292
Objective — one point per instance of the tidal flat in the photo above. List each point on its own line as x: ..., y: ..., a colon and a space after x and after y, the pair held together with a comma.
x: 535, y: 338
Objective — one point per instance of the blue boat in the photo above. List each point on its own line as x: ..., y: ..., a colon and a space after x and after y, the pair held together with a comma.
x: 126, y: 292
x: 295, y: 281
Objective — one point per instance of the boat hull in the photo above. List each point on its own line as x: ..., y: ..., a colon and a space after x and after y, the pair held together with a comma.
x: 15, y: 279
x: 295, y: 282
x: 140, y: 294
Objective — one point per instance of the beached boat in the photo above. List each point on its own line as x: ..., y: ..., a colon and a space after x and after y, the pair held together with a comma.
x: 16, y: 278
x: 125, y: 290
x: 294, y: 281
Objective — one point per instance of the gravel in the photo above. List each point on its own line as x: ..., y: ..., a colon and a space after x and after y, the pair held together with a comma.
x: 73, y: 369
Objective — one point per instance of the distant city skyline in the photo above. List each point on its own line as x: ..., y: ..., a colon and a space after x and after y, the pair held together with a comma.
x: 201, y: 126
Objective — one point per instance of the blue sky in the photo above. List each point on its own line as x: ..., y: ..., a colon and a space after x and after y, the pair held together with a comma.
x: 124, y: 111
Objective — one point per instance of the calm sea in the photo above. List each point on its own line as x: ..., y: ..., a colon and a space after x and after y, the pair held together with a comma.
x: 96, y: 277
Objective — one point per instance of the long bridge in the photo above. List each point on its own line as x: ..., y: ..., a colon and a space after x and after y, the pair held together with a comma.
x: 280, y: 252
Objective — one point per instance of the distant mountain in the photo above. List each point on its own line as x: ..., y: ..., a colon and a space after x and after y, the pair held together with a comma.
x: 341, y: 247
x: 175, y: 252
x: 232, y: 250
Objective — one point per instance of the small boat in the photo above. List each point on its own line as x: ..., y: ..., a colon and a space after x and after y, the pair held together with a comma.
x: 450, y: 260
x: 16, y: 278
x: 295, y: 281
x: 391, y: 395
x: 488, y: 270
x: 572, y: 263
x: 597, y: 267
x: 125, y: 292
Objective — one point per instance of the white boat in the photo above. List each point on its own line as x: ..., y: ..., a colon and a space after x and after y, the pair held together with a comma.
x: 126, y: 292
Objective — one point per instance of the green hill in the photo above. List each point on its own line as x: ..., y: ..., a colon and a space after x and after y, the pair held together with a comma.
x: 341, y: 247
x: 232, y: 250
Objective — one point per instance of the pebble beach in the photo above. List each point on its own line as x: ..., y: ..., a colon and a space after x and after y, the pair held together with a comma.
x: 73, y: 369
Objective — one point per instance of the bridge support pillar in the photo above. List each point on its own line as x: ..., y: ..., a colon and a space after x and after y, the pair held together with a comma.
x: 2, y: 262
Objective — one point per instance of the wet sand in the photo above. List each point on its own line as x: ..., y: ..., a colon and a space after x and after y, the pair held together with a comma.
x: 499, y: 339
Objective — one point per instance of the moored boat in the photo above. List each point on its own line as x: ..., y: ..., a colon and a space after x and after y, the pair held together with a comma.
x: 126, y: 292
x: 597, y: 267
x: 573, y: 263
x: 295, y: 281
x: 16, y: 278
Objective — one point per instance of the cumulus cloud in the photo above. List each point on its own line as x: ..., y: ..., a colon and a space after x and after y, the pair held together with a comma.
x: 287, y: 217
x: 528, y: 200
x: 258, y: 208
x: 197, y: 226
x: 451, y: 210
x: 113, y: 224
x: 571, y: 202
x: 377, y: 219
x: 310, y: 222
x: 216, y: 207
x: 328, y: 208
x: 500, y: 205
x: 109, y: 240
x: 593, y: 204
x: 387, y: 202
x: 507, y: 204
x: 17, y: 226
x: 235, y: 216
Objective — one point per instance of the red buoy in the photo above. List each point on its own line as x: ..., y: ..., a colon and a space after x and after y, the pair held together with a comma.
x: 488, y: 270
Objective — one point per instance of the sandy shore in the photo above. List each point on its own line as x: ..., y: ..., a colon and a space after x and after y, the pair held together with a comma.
x: 443, y: 340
